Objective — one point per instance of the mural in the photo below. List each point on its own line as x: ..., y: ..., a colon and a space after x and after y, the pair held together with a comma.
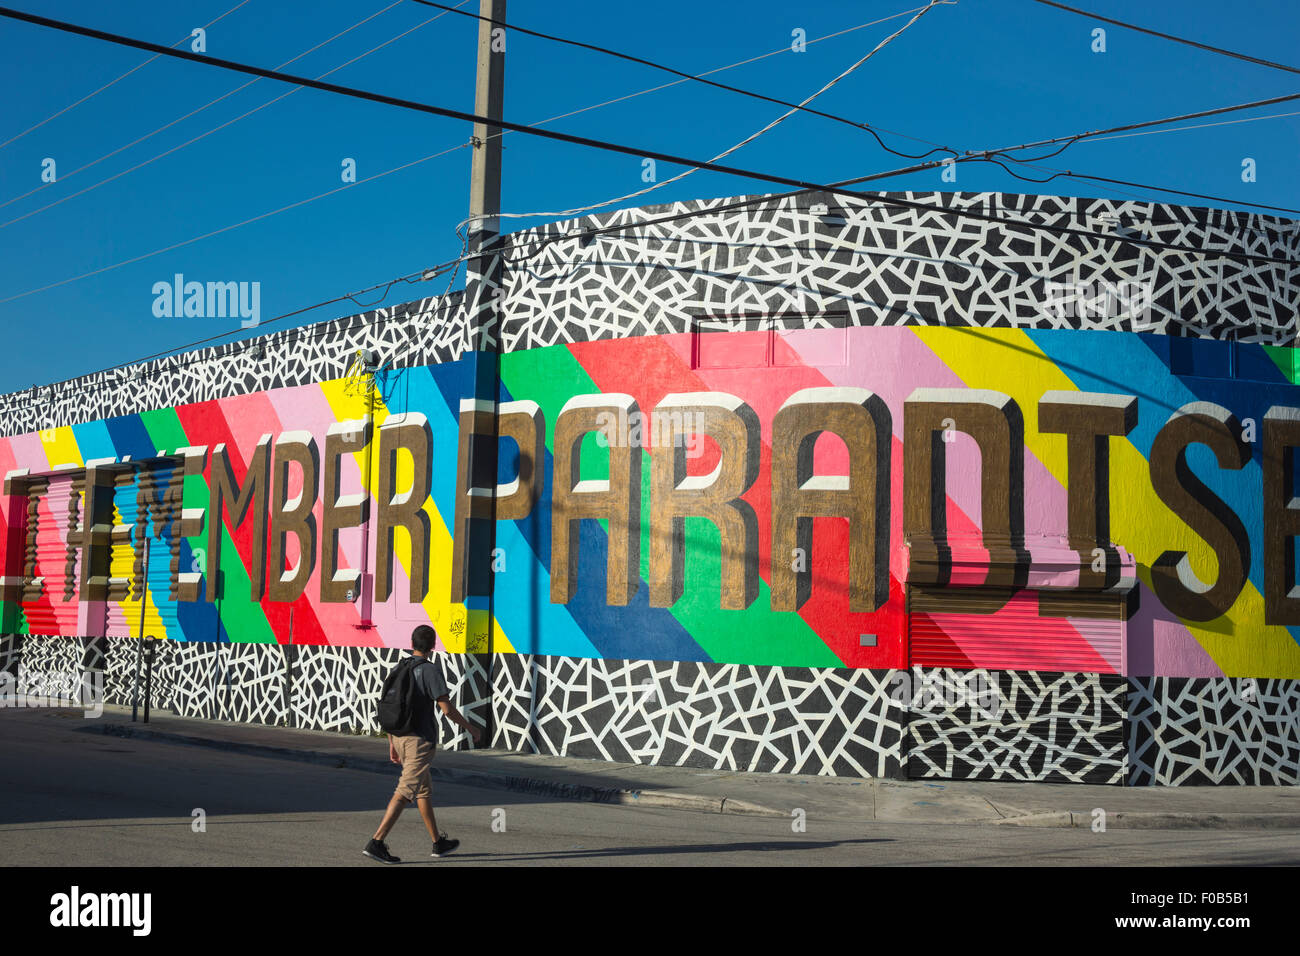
x: 853, y: 497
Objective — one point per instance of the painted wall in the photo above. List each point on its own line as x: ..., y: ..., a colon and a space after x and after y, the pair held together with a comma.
x: 419, y: 410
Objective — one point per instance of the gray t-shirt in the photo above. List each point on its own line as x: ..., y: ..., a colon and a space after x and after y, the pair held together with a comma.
x: 428, y: 678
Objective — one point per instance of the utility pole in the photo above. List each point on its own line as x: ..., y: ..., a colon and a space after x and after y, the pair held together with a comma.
x: 485, y: 173
x: 484, y: 288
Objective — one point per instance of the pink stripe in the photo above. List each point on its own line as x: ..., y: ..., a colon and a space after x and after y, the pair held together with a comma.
x: 29, y: 453
x: 305, y: 408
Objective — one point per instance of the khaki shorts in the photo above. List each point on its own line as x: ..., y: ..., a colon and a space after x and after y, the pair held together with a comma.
x: 416, y: 754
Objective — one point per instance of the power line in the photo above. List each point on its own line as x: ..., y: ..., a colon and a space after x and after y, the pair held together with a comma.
x: 700, y: 77
x: 609, y: 146
x: 215, y: 129
x: 988, y: 156
x: 1170, y: 36
x: 398, y: 101
x: 726, y: 152
x: 1070, y: 140
x: 798, y: 184
x: 763, y: 56
x: 1147, y: 186
x: 404, y: 166
x: 886, y: 200
x: 980, y: 157
x: 167, y: 126
x: 94, y: 93
x: 17, y: 398
x: 217, y: 232
x: 392, y: 100
x: 1179, y: 129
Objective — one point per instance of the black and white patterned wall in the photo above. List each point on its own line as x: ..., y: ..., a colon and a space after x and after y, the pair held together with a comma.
x: 803, y: 260
x: 1213, y: 730
x: 1017, y: 725
x: 830, y: 721
x: 927, y: 723
x: 812, y: 260
x: 424, y: 332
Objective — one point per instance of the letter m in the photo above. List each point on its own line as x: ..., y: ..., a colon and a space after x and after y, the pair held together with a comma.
x: 223, y: 299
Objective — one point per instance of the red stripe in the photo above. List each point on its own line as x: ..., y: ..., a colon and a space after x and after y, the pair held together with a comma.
x: 207, y: 423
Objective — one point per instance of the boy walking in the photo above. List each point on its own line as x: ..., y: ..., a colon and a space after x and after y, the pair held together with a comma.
x: 415, y: 752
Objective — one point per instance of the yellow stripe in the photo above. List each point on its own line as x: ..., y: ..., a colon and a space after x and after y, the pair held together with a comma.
x: 1007, y: 360
x: 60, y: 447
x: 459, y: 629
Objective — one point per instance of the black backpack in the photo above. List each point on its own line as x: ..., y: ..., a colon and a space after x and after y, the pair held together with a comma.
x: 402, y: 705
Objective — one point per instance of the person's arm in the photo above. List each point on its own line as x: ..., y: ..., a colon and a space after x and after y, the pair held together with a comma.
x: 454, y: 715
x: 392, y: 752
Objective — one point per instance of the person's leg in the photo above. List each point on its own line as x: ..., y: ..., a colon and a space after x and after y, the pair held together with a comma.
x: 406, y: 751
x: 395, y: 808
x: 426, y: 811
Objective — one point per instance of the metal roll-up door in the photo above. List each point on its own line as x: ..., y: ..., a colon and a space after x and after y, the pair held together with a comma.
x: 1004, y: 630
x: 1055, y: 620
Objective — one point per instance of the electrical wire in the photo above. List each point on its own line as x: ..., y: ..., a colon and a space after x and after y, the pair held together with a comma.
x: 113, y: 82
x: 727, y: 152
x: 431, y: 156
x: 1179, y: 129
x: 584, y: 141
x: 1070, y: 140
x: 215, y: 129
x: 396, y: 101
x: 17, y: 398
x: 700, y: 77
x: 986, y: 156
x: 1170, y: 36
x: 472, y: 117
x: 217, y: 232
x: 886, y: 200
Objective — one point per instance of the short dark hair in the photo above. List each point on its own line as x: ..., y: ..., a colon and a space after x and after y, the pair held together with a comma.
x: 423, y: 639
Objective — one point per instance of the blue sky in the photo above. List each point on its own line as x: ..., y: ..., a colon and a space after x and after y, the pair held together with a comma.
x: 977, y: 74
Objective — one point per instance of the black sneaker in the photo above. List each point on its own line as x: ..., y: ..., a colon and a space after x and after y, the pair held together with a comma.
x: 444, y: 845
x: 378, y: 850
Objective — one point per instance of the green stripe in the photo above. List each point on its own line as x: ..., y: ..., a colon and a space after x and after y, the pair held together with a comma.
x: 1284, y: 357
x: 757, y: 635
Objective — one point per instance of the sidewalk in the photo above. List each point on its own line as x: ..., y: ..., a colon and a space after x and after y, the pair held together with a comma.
x: 721, y: 791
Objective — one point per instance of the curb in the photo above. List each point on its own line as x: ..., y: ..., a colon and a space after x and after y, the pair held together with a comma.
x: 669, y: 800
x: 1155, y: 820
x: 659, y: 799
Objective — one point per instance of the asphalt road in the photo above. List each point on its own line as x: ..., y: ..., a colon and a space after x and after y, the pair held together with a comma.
x: 72, y: 798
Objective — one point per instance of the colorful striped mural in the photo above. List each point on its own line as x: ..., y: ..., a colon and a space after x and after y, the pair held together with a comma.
x: 364, y: 446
